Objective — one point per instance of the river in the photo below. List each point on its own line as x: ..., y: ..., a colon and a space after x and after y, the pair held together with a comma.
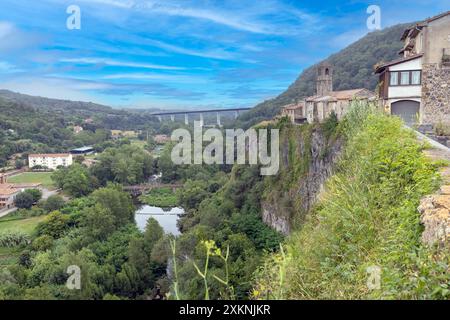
x: 166, y: 217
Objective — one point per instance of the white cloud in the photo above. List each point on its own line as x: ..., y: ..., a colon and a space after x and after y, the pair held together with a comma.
x: 164, y: 77
x: 116, y: 63
x: 6, y: 29
x: 248, y: 17
x: 214, y: 54
x: 45, y: 87
x: 6, y: 67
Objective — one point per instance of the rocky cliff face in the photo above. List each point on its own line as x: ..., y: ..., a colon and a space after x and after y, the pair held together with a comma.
x: 307, y: 158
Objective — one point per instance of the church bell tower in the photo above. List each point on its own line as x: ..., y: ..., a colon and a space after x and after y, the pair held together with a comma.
x: 324, y: 82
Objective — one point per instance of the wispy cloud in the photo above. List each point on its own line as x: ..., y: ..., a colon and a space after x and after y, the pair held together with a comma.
x: 214, y: 54
x: 164, y: 77
x: 247, y: 17
x: 117, y: 63
x: 6, y: 67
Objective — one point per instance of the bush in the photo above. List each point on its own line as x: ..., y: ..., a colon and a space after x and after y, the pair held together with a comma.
x: 367, y: 217
x: 54, y: 225
x: 42, y: 243
x: 24, y: 200
x: 13, y: 239
x: 53, y: 203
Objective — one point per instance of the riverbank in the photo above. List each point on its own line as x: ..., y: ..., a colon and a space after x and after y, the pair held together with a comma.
x: 160, y: 197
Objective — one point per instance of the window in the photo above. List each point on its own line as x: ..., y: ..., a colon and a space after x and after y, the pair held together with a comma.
x: 394, y: 78
x: 404, y: 78
x: 415, y: 77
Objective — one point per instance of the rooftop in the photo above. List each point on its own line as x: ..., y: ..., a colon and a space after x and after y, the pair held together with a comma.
x: 341, y: 95
x: 413, y: 30
x: 49, y: 155
x: 82, y: 149
x: 382, y: 67
x: 8, y: 189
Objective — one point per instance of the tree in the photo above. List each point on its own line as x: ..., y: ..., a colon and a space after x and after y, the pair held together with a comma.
x: 24, y: 200
x: 19, y: 164
x: 117, y: 203
x: 42, y: 243
x: 35, y: 193
x: 192, y: 194
x: 53, y: 203
x: 126, y: 164
x: 153, y: 232
x: 54, y: 225
x: 98, y: 223
x: 75, y: 180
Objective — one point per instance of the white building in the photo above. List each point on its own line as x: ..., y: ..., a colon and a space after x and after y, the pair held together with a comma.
x: 416, y: 87
x: 51, y: 161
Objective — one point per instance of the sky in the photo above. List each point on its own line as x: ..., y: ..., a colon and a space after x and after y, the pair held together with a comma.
x: 179, y: 54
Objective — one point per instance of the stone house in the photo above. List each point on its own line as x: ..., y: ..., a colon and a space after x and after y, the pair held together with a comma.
x: 295, y: 112
x: 320, y: 106
x: 9, y: 191
x: 7, y: 196
x: 416, y: 86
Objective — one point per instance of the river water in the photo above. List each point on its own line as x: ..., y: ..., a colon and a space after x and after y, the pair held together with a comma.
x: 166, y: 217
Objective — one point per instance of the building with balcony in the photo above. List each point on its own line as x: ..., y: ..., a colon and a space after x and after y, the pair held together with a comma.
x: 416, y: 87
x: 51, y: 161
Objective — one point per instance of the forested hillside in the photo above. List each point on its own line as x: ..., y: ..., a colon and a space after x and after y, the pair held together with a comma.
x: 77, y: 111
x: 34, y: 124
x: 353, y: 68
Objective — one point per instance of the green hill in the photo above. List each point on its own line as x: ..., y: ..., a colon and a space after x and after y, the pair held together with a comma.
x: 353, y: 68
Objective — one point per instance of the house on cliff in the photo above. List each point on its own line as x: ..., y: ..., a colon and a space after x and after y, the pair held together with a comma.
x: 416, y: 87
x: 295, y: 112
x: 326, y: 101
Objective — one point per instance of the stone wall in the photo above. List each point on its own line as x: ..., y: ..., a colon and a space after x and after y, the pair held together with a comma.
x: 435, y: 216
x: 436, y: 94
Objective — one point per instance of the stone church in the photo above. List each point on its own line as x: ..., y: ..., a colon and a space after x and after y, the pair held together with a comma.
x: 320, y: 106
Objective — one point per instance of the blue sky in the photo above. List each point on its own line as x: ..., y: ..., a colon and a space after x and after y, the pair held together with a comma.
x: 178, y: 53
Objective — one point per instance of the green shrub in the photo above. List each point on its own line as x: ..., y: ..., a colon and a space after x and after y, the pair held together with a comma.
x: 13, y: 239
x: 368, y: 217
x: 42, y: 243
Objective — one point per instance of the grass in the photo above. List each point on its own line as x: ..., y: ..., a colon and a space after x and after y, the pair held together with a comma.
x: 139, y: 143
x: 24, y: 225
x: 9, y: 256
x: 33, y: 177
x: 160, y: 197
x: 367, y: 217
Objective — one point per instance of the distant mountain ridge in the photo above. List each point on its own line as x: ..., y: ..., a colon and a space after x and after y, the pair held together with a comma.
x: 52, y: 104
x: 353, y: 68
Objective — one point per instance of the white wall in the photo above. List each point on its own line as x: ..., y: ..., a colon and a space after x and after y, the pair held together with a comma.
x: 50, y: 162
x: 406, y: 91
x: 415, y: 64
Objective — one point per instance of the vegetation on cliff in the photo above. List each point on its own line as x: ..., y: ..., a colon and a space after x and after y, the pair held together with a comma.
x: 367, y: 219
